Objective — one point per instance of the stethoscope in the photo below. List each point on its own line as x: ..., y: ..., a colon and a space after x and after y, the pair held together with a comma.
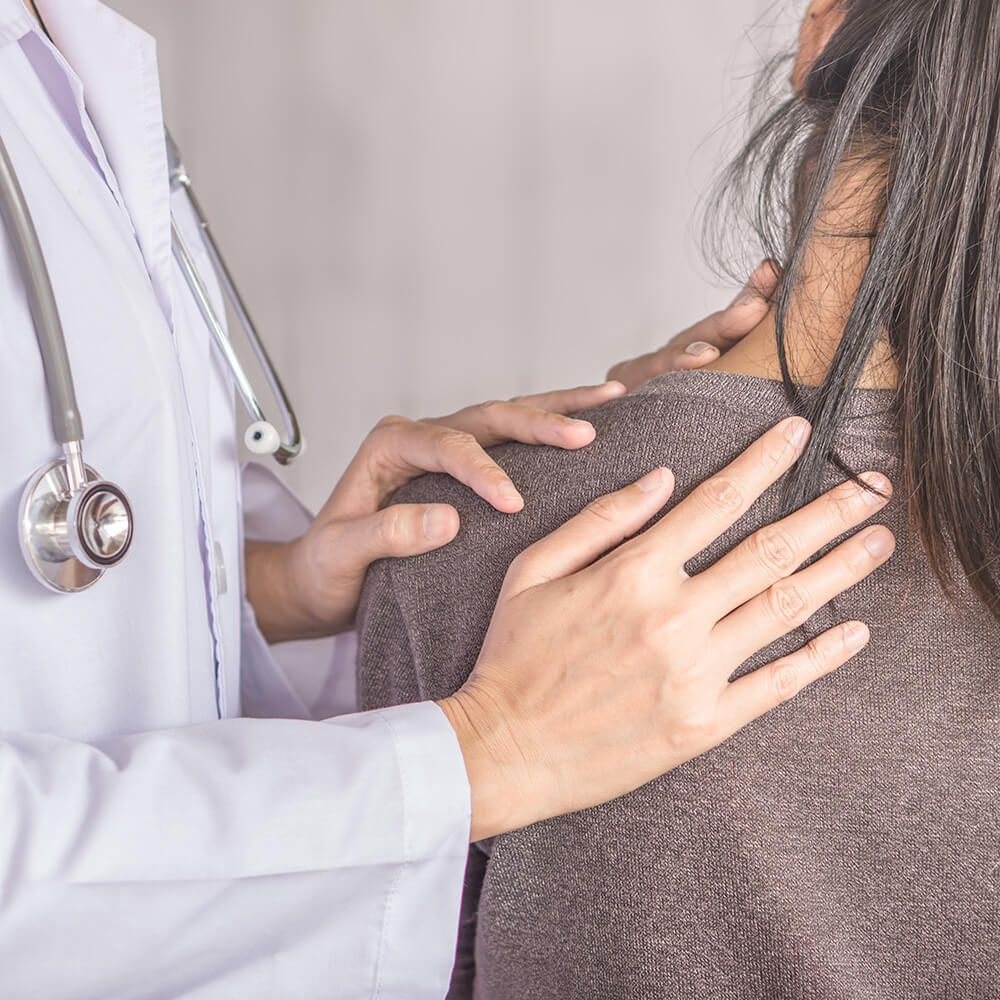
x: 73, y: 525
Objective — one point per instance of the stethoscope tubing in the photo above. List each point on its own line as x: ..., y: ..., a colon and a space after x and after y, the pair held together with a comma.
x: 69, y: 544
x: 67, y: 425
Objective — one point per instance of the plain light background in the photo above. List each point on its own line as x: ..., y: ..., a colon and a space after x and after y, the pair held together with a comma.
x: 429, y: 203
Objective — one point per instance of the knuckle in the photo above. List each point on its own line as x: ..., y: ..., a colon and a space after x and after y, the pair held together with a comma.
x: 721, y: 494
x: 673, y: 630
x: 521, y: 563
x: 843, y: 502
x: 788, y: 604
x: 392, y: 420
x: 691, y: 733
x: 606, y: 509
x: 775, y: 550
x: 786, y: 682
x: 818, y: 655
x: 451, y: 439
x: 854, y: 562
x: 774, y: 451
x: 392, y: 528
x: 626, y: 575
x: 493, y: 411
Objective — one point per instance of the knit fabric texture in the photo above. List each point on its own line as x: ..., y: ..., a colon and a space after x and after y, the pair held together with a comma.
x: 844, y: 847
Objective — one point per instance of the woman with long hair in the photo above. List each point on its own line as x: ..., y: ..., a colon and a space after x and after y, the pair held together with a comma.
x: 849, y: 848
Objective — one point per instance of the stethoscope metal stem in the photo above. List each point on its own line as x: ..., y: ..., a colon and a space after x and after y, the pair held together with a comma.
x: 285, y: 449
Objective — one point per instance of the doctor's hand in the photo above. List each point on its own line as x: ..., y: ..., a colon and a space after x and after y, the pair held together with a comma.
x: 311, y: 587
x: 704, y: 342
x: 600, y: 672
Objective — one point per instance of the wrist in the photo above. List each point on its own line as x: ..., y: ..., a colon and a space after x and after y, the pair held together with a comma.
x: 274, y: 590
x: 498, y: 772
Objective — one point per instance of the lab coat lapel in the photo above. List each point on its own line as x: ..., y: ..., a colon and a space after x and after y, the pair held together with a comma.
x: 14, y: 20
x: 116, y: 62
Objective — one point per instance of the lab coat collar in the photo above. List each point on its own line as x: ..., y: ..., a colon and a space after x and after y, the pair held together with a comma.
x: 15, y: 21
x: 116, y: 63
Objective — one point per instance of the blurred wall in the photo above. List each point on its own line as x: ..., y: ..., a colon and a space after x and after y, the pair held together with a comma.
x: 433, y: 202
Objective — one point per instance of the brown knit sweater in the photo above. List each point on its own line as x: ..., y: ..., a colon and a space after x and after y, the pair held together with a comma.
x: 845, y: 846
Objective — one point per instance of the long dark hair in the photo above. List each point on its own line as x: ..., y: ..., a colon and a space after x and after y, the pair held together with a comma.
x: 910, y: 88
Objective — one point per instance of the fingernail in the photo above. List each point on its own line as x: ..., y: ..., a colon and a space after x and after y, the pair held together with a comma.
x: 615, y: 387
x: 797, y: 431
x: 438, y: 524
x: 880, y: 542
x: 879, y: 492
x: 654, y: 482
x: 856, y: 636
x: 582, y: 432
x: 745, y: 298
x: 507, y: 492
x: 699, y: 348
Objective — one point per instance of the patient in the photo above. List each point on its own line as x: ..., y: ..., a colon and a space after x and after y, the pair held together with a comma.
x: 848, y: 844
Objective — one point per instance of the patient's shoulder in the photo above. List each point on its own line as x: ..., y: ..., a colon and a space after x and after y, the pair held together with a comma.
x: 693, y: 423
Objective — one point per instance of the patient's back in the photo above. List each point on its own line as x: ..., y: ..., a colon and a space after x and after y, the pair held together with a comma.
x: 845, y: 846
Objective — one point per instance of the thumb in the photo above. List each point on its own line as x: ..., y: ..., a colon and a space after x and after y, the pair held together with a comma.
x: 403, y: 530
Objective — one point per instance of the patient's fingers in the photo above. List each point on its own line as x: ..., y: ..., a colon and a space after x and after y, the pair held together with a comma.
x: 792, y: 602
x: 719, y: 502
x: 597, y: 528
x: 758, y: 693
x: 777, y: 550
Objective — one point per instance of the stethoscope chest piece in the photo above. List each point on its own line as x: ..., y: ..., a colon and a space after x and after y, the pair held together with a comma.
x: 71, y: 536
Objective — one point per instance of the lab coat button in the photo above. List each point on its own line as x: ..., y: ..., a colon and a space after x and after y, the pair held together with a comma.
x: 221, y: 585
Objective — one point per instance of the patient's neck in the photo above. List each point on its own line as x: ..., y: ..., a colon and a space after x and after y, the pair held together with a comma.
x: 833, y: 267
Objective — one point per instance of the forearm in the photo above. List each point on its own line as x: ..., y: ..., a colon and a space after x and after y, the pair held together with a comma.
x: 233, y: 832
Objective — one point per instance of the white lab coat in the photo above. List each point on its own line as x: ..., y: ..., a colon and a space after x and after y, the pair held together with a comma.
x: 153, y: 843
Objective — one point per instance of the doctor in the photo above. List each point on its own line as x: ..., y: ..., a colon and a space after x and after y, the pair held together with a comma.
x: 173, y: 822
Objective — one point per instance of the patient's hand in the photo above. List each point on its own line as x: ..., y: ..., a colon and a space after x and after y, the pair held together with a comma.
x: 704, y: 342
x: 601, y: 672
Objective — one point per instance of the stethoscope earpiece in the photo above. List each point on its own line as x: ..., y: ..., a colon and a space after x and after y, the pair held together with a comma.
x: 262, y: 438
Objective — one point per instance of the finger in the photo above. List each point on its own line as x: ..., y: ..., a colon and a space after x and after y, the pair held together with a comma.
x: 459, y: 455
x: 719, y: 502
x: 573, y: 400
x: 537, y: 419
x: 399, y: 450
x: 400, y: 531
x: 703, y: 343
x: 697, y: 355
x: 792, y: 602
x: 601, y: 526
x: 496, y: 422
x: 638, y: 371
x: 723, y: 328
x: 757, y: 693
x: 776, y: 551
